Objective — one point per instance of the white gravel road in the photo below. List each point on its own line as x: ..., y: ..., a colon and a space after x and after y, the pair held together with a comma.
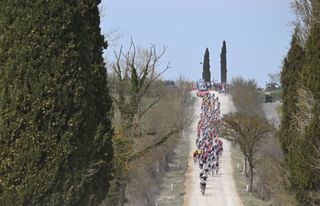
x: 221, y: 190
x: 270, y: 111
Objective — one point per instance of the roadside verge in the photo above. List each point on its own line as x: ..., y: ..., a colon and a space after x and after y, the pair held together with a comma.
x: 172, y: 187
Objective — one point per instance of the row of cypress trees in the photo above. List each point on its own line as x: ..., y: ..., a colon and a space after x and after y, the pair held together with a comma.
x: 300, y: 128
x: 55, y: 108
x: 206, y: 74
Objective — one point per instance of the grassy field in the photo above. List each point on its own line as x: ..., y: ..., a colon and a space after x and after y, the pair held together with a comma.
x: 172, y: 188
x: 247, y: 198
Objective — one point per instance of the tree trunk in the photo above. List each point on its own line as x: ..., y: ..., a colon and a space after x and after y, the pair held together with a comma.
x: 250, y: 176
x: 245, y: 166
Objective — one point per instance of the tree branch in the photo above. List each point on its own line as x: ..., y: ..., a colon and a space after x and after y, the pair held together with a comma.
x: 158, y: 143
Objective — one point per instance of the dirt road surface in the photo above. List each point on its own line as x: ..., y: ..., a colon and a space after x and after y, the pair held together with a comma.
x: 221, y: 190
x: 270, y: 111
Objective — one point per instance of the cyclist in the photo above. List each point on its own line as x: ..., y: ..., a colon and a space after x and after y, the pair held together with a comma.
x: 203, y: 185
x: 217, y: 167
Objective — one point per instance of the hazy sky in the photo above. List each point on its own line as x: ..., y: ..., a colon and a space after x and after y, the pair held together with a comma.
x: 257, y: 33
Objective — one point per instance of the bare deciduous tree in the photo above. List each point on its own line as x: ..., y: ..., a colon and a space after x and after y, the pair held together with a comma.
x: 274, y: 79
x: 247, y: 131
x: 137, y: 93
x: 135, y: 71
x: 245, y: 96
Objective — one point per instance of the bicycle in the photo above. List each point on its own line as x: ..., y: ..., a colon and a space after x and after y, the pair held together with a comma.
x: 203, y: 188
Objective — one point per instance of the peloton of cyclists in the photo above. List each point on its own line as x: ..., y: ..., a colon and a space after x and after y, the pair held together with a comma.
x: 209, y: 146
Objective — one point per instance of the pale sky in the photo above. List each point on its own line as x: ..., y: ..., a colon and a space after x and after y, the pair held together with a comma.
x: 257, y: 33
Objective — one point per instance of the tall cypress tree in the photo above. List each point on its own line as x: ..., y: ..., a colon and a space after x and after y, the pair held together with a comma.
x: 299, y: 145
x: 55, y: 129
x: 223, y: 62
x: 310, y: 182
x: 311, y: 72
x: 206, y: 75
x: 291, y: 71
x: 291, y: 143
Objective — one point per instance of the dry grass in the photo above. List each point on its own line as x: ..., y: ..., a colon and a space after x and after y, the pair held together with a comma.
x: 175, y: 176
x: 249, y: 199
